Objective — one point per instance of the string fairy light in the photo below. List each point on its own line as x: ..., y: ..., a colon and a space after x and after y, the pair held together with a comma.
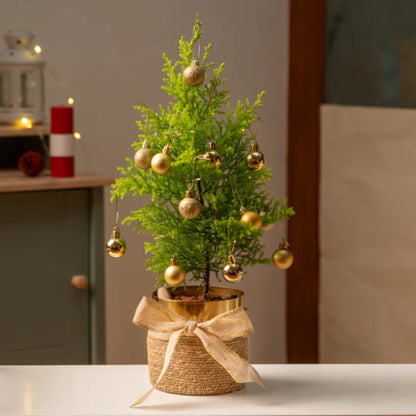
x: 26, y: 122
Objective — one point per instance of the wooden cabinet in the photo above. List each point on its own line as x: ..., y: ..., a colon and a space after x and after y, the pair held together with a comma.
x: 50, y: 230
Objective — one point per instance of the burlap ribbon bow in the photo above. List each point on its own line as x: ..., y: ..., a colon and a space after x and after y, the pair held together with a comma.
x: 154, y: 317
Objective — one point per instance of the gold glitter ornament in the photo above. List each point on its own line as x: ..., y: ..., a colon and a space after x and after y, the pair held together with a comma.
x: 194, y: 75
x: 189, y: 207
x: 283, y: 257
x: 143, y: 156
x: 116, y: 246
x: 161, y: 162
x: 255, y: 159
x: 250, y: 217
x: 174, y: 274
x: 232, y: 271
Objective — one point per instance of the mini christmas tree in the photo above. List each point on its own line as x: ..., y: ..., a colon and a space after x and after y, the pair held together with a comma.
x: 199, y: 160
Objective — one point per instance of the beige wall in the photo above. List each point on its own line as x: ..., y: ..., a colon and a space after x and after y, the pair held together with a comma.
x: 107, y: 55
x: 368, y: 265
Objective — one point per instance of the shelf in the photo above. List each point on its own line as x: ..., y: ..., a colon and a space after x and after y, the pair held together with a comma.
x: 13, y: 131
x: 16, y: 181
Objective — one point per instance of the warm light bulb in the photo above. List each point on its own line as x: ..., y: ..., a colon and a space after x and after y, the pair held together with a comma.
x: 70, y: 101
x: 37, y: 49
x: 25, y: 122
x: 77, y: 135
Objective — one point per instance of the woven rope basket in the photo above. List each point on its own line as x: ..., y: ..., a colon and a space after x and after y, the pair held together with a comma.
x: 192, y: 370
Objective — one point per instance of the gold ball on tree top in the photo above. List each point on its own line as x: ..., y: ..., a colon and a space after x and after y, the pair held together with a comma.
x: 143, y: 156
x: 283, y: 257
x: 161, y: 162
x: 116, y: 246
x: 194, y: 75
x: 174, y: 274
x: 189, y: 207
x: 250, y: 217
x: 232, y: 271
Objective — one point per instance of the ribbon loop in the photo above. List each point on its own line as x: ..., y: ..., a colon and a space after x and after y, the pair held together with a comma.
x: 154, y: 317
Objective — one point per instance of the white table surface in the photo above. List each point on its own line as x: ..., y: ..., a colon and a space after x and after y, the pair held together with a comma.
x: 291, y: 390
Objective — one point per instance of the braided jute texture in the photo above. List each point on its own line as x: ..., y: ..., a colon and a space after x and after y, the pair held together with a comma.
x: 192, y: 370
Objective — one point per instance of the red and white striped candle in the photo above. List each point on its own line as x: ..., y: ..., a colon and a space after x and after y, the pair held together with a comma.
x: 62, y: 142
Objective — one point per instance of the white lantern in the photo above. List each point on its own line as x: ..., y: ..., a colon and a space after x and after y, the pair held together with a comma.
x: 21, y: 79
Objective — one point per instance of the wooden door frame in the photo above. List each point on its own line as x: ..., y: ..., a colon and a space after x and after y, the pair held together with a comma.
x: 306, y: 79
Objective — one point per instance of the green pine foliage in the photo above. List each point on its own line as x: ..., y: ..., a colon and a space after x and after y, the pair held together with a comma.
x: 193, y: 117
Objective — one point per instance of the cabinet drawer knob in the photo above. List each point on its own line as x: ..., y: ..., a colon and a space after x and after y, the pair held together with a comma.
x: 79, y: 281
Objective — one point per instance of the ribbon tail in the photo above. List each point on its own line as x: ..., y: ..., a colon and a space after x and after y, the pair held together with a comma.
x: 173, y: 340
x: 143, y: 398
x: 238, y: 368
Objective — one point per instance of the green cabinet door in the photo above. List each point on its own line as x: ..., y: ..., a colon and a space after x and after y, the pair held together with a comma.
x: 44, y: 241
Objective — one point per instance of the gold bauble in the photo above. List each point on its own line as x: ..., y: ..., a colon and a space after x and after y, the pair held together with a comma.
x: 143, y: 157
x: 251, y: 217
x: 212, y: 154
x: 161, y: 162
x: 189, y: 207
x: 116, y: 246
x: 174, y: 274
x: 232, y: 272
x: 214, y: 157
x: 255, y: 159
x: 194, y: 75
x: 283, y: 257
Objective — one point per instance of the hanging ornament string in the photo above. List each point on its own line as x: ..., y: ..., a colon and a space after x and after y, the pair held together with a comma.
x: 255, y: 159
x: 228, y: 238
x: 168, y: 134
x: 232, y: 272
x: 247, y: 217
x: 282, y: 258
x: 199, y: 49
x: 235, y: 192
x: 280, y: 222
x: 211, y: 93
x: 143, y: 156
x: 194, y: 75
x: 161, y: 162
x: 193, y: 37
x: 116, y: 246
x: 117, y: 213
x: 174, y: 274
